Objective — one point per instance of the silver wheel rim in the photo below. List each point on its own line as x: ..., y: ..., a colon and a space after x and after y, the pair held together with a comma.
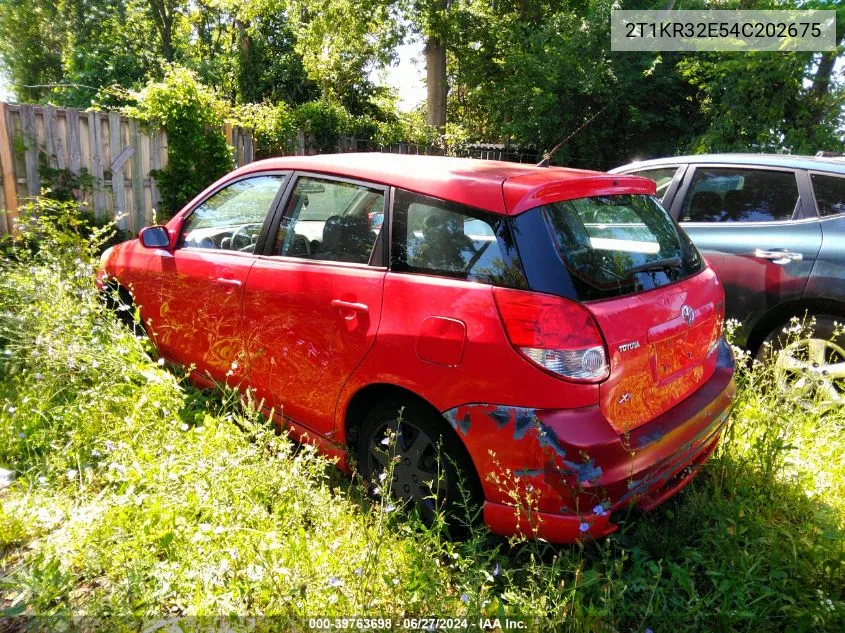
x: 813, y: 368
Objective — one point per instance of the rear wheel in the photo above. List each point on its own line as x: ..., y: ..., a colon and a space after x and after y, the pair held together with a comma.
x: 812, y: 364
x: 430, y: 467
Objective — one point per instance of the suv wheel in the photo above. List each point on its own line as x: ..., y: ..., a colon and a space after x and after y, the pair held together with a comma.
x: 431, y: 468
x: 814, y: 365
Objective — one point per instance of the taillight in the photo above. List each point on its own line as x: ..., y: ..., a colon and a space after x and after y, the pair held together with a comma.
x: 560, y: 336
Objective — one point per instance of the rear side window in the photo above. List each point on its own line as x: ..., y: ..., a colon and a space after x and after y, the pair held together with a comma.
x: 830, y: 194
x: 740, y: 195
x: 619, y: 245
x: 438, y: 237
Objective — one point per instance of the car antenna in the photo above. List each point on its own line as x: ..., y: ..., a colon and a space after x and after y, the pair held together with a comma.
x: 546, y: 162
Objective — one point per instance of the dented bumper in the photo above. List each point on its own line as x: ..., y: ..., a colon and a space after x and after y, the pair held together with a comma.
x: 560, y: 473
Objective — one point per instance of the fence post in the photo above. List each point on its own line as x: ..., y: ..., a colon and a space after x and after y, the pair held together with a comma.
x: 117, y: 184
x: 7, y: 165
x: 95, y: 140
x: 137, y: 178
x: 33, y: 179
x: 249, y: 150
x: 74, y: 148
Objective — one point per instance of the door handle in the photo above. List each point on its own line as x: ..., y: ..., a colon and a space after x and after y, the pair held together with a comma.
x: 350, y: 305
x: 780, y: 257
x: 228, y: 282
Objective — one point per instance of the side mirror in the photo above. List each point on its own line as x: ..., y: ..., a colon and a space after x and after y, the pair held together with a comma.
x: 154, y: 237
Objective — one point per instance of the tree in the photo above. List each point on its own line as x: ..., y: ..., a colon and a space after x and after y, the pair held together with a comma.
x: 341, y: 42
x: 164, y: 14
x: 30, y: 46
x: 433, y: 21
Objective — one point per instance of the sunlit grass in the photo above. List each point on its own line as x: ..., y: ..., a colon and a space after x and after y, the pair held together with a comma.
x: 136, y: 495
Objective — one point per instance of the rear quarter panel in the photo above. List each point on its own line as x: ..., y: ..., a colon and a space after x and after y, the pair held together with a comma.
x: 489, y: 371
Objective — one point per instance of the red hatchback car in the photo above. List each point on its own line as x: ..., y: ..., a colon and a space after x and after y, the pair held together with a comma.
x: 552, y: 331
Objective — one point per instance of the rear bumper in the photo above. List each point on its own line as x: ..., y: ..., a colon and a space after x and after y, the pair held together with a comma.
x: 565, y: 471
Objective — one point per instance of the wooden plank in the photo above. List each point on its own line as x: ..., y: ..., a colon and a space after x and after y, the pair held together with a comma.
x: 155, y: 165
x: 137, y: 177
x: 95, y: 139
x: 118, y: 186
x: 119, y: 163
x: 33, y: 180
x: 248, y: 148
x: 74, y: 146
x: 7, y: 168
x: 55, y: 151
x: 236, y: 142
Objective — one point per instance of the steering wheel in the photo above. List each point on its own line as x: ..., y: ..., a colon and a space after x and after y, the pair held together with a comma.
x: 250, y: 237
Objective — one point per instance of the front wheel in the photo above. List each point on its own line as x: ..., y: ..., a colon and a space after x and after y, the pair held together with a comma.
x: 809, y: 363
x: 430, y: 467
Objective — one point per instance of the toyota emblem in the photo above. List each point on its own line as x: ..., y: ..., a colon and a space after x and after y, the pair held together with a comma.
x: 688, y: 314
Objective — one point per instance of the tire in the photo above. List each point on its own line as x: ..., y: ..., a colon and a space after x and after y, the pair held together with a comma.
x: 123, y: 308
x: 814, y: 364
x: 420, y: 430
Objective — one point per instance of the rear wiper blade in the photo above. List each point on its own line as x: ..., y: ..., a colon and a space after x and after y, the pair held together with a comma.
x: 657, y: 264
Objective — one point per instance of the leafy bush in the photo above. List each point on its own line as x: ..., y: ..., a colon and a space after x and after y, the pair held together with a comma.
x: 273, y: 126
x: 139, y: 497
x: 193, y: 116
x: 324, y: 121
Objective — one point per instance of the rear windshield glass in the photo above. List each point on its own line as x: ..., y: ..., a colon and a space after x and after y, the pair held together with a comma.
x: 619, y: 245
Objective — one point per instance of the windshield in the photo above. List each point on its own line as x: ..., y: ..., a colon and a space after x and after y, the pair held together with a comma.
x: 618, y: 245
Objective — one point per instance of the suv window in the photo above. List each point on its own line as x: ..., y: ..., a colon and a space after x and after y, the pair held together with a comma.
x: 662, y: 177
x: 232, y: 218
x: 443, y: 238
x: 330, y: 220
x: 830, y: 194
x: 721, y: 194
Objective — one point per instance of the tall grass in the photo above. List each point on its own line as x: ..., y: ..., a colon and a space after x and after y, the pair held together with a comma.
x: 138, y: 497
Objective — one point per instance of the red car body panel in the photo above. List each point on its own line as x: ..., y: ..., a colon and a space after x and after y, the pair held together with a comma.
x: 671, y: 361
x: 309, y: 335
x: 301, y: 345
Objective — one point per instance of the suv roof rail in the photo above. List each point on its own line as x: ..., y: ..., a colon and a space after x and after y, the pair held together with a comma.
x: 823, y: 154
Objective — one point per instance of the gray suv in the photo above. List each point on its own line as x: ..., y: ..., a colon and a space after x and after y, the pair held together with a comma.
x: 773, y: 228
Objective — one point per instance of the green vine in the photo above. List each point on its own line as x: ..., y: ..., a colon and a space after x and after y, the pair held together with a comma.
x: 192, y: 115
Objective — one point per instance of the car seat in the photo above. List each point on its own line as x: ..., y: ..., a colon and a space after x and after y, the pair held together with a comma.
x: 705, y: 206
x: 444, y: 243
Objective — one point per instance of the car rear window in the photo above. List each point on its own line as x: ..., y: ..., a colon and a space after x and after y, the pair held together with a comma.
x: 618, y: 245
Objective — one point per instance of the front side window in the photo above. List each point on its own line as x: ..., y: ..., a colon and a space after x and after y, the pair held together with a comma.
x: 438, y: 237
x: 330, y: 220
x: 661, y: 176
x: 620, y: 244
x: 830, y: 194
x: 720, y: 194
x: 232, y: 218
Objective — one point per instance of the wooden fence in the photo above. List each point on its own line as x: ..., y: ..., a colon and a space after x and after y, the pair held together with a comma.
x: 105, y: 156
x: 109, y: 160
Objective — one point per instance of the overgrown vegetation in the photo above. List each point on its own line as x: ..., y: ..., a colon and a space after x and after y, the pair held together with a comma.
x: 197, y: 150
x: 524, y: 73
x: 137, y: 496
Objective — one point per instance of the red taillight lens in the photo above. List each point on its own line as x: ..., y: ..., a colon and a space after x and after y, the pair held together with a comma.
x: 560, y: 336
